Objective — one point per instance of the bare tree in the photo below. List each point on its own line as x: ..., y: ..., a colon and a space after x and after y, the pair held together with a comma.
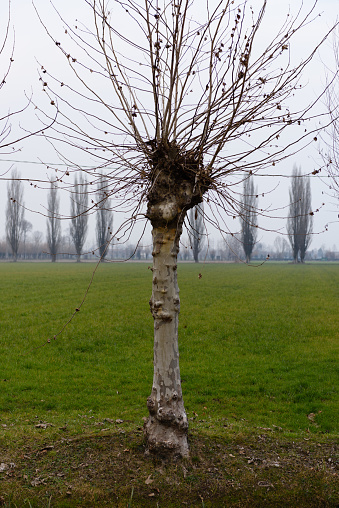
x: 79, y: 219
x: 104, y: 217
x: 249, y: 217
x: 185, y: 250
x: 282, y: 247
x: 37, y: 241
x: 300, y: 215
x: 4, y: 119
x: 332, y: 156
x: 278, y: 245
x: 26, y: 227
x: 7, y: 140
x: 196, y: 230
x: 66, y: 246
x: 233, y: 248
x: 53, y: 222
x: 180, y: 105
x: 14, y: 213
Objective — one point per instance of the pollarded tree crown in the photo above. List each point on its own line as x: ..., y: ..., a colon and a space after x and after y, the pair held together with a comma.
x: 178, y: 181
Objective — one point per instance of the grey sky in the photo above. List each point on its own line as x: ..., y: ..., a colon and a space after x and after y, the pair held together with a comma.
x: 33, y: 47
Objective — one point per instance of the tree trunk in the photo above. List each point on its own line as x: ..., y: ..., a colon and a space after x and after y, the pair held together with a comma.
x: 167, y: 426
x: 175, y: 189
x: 295, y: 253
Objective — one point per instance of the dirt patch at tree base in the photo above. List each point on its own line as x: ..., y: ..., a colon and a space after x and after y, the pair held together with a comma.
x: 112, y: 470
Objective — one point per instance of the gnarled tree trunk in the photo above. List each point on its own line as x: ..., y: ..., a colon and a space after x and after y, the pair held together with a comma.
x: 175, y: 188
x: 167, y: 426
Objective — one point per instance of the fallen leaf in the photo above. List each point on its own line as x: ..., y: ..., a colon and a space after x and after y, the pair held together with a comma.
x: 38, y: 481
x: 43, y: 425
x: 265, y: 484
x: 119, y: 421
x: 148, y: 481
x: 46, y: 449
x: 151, y: 495
x: 3, y: 467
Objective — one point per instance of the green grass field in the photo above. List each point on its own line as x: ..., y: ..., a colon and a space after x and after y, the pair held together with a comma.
x: 258, y: 346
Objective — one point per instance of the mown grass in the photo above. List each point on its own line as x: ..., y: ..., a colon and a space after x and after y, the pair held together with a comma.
x: 258, y: 352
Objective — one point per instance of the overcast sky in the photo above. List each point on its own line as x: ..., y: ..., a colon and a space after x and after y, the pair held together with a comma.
x: 33, y: 47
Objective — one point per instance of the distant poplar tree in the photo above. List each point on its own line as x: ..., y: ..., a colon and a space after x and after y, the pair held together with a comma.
x: 196, y: 231
x: 79, y: 219
x: 26, y: 227
x: 14, y: 213
x: 104, y: 218
x: 53, y: 222
x: 249, y: 218
x: 300, y: 219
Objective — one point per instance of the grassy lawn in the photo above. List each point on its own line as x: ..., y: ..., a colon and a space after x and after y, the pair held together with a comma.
x: 259, y: 365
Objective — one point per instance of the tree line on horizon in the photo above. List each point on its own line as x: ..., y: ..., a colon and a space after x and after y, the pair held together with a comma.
x: 239, y: 246
x: 17, y: 227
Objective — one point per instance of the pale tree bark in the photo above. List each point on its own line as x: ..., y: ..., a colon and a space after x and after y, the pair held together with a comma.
x: 169, y: 198
x: 166, y: 428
